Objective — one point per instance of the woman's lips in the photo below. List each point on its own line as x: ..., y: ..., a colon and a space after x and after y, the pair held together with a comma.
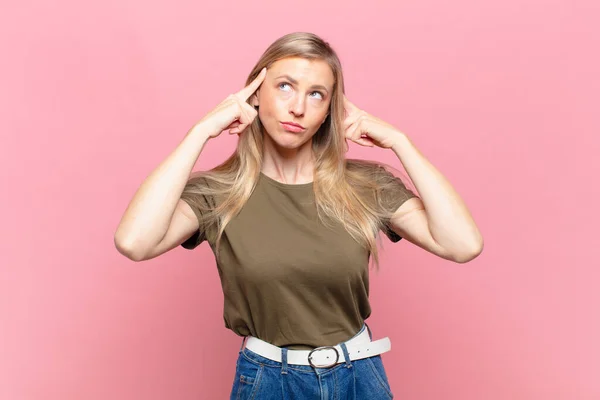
x: 292, y: 128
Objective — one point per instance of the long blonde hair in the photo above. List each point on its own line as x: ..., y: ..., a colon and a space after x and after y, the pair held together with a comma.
x: 347, y: 190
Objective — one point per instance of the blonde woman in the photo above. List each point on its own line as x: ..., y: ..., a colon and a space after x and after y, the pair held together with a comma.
x: 293, y: 223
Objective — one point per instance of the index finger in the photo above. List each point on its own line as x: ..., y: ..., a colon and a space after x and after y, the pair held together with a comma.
x: 348, y: 105
x: 249, y: 90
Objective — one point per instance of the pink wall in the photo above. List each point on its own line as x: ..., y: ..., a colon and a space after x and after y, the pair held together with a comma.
x: 498, y: 95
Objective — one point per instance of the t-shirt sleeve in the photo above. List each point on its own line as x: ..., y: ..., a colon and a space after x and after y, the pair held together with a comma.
x: 200, y: 235
x: 393, y: 197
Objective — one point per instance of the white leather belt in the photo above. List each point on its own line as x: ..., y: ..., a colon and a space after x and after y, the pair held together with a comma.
x: 359, y: 347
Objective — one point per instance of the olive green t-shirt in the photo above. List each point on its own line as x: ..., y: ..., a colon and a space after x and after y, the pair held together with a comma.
x: 287, y: 278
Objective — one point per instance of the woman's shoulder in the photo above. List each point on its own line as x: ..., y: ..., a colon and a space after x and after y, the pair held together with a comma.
x: 207, y: 186
x: 210, y: 180
x: 369, y: 169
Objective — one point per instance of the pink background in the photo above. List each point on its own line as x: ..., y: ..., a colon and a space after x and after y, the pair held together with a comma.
x: 502, y: 97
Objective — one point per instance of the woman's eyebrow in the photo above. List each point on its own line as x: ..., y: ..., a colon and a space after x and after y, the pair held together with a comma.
x: 295, y: 82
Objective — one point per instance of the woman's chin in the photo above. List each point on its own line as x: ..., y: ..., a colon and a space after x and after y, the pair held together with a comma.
x: 288, y: 141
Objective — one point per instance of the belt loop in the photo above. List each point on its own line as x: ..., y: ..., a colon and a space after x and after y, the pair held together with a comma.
x: 346, y: 355
x: 284, y: 360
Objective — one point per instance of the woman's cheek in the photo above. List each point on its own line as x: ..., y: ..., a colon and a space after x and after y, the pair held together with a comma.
x: 281, y: 102
x: 283, y: 95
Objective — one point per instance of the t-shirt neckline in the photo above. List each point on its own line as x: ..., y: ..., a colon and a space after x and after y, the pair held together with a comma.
x: 285, y: 185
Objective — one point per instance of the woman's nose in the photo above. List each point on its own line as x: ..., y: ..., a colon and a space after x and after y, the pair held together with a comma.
x: 297, y: 106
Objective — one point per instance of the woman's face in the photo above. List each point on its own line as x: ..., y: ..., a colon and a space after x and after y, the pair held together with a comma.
x: 297, y: 91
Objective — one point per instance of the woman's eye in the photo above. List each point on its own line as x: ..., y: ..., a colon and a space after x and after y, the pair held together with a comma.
x: 283, y: 85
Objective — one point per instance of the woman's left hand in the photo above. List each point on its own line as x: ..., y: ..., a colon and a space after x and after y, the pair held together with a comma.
x: 367, y: 130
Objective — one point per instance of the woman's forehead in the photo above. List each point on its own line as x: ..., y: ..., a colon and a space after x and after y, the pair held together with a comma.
x: 310, y: 72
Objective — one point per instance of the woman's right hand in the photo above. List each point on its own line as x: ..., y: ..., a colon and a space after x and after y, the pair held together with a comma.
x: 233, y: 113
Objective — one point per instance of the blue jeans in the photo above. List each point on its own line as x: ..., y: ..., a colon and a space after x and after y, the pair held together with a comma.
x: 260, y: 378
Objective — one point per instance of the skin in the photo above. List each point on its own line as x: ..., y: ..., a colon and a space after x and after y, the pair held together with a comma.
x: 304, y: 99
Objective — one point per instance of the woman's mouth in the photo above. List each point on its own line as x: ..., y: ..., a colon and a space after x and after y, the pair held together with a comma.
x: 292, y: 127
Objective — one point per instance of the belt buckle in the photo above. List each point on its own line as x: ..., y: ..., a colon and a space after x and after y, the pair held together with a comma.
x: 337, y: 356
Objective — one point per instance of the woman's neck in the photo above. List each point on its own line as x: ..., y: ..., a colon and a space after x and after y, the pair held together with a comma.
x: 292, y: 166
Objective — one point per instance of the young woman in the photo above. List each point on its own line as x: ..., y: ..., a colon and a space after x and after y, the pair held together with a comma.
x: 293, y: 223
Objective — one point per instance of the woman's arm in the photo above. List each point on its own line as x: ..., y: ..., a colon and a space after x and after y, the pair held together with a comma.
x: 149, y: 213
x: 439, y: 221
x: 451, y: 231
x: 156, y: 212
